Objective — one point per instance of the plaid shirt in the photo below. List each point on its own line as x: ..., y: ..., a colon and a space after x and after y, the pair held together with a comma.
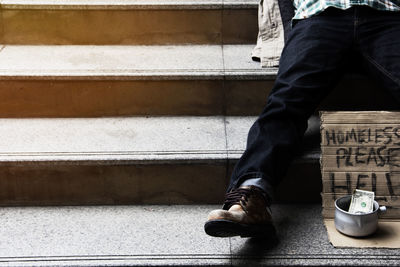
x: 307, y: 8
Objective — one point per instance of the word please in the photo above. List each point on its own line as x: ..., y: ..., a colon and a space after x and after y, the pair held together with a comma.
x: 377, y: 156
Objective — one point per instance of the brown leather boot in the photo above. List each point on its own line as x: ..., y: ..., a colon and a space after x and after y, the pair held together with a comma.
x: 245, y: 213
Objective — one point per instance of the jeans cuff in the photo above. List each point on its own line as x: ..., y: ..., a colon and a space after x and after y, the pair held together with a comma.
x: 260, y: 183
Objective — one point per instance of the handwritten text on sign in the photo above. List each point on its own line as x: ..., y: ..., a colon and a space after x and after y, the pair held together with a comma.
x: 361, y: 154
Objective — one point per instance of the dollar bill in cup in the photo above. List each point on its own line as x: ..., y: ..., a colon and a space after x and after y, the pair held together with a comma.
x: 362, y: 202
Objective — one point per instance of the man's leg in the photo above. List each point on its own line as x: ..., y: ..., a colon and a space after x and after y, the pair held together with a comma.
x: 310, y: 66
x: 286, y: 9
x: 378, y: 36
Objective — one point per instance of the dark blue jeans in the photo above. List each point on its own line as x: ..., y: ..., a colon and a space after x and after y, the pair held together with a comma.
x: 286, y: 9
x: 316, y: 55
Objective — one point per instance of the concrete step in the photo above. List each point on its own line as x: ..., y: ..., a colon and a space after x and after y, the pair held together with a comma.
x: 141, y: 160
x: 73, y: 22
x: 168, y: 236
x: 91, y: 81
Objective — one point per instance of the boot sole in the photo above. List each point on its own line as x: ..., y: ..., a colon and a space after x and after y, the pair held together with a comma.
x: 225, y: 228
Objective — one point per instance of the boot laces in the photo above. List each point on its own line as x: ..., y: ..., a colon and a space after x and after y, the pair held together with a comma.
x: 240, y: 196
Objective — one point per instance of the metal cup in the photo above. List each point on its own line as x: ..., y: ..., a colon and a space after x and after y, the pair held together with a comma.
x: 356, y: 224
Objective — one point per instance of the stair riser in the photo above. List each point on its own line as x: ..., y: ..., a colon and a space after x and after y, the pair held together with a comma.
x: 136, y: 27
x: 91, y: 98
x: 173, y: 183
x: 57, y: 98
x: 59, y: 184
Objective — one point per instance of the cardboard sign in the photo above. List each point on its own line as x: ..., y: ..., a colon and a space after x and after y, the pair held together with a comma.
x: 361, y: 150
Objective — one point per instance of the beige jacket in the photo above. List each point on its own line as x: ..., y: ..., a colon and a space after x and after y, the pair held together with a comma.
x: 270, y: 35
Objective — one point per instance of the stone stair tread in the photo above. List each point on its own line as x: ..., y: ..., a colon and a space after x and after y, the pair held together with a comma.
x: 125, y: 139
x: 130, y: 62
x: 167, y: 236
x: 127, y: 4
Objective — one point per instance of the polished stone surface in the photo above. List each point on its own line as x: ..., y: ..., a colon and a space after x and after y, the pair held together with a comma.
x: 237, y: 129
x: 302, y: 240
x: 182, y: 138
x: 129, y: 62
x: 123, y: 138
x: 167, y: 236
x: 108, y: 235
x: 239, y: 65
x: 113, y: 139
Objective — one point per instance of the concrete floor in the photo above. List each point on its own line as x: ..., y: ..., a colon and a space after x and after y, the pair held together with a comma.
x: 167, y: 236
